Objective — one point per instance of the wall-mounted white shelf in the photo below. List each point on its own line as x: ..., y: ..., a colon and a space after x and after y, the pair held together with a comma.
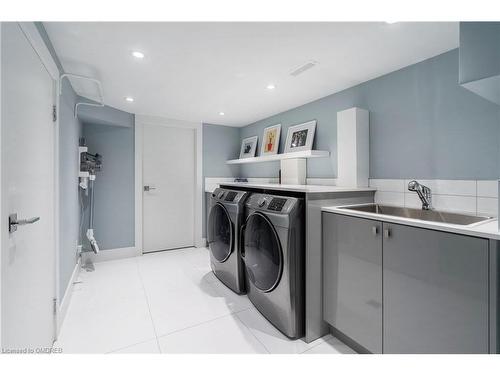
x: 289, y: 155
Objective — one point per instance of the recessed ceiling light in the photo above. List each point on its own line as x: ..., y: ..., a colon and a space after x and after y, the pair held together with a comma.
x: 270, y: 86
x: 391, y: 22
x: 221, y: 113
x: 129, y: 99
x: 138, y: 54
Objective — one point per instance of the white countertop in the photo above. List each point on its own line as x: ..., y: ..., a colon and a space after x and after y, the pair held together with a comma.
x: 488, y: 229
x: 298, y: 188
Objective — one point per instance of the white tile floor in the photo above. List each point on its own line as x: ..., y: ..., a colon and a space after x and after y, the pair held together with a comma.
x: 170, y: 302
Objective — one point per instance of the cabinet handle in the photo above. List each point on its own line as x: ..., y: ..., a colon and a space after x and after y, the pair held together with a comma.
x: 375, y: 230
x: 387, y: 233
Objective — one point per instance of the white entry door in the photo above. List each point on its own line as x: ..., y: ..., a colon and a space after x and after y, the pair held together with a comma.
x: 28, y: 167
x: 169, y: 186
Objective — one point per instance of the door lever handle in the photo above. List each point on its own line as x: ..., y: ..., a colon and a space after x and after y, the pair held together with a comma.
x: 14, y: 222
x: 149, y: 188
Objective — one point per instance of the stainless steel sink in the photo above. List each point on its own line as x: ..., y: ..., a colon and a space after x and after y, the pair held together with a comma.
x: 415, y: 213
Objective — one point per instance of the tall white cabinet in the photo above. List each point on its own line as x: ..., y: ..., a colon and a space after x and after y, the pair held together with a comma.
x: 353, y: 147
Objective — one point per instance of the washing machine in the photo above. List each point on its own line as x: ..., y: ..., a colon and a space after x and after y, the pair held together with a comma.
x: 225, y: 218
x: 273, y: 245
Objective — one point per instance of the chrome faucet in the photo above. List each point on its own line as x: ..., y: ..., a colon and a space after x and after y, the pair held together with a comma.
x: 423, y: 192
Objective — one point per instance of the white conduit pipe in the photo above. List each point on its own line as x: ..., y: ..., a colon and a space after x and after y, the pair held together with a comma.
x: 96, y: 81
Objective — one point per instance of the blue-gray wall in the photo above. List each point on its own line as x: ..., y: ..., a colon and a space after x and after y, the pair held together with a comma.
x: 423, y: 124
x: 480, y: 58
x: 111, y: 132
x: 114, y: 213
x: 70, y: 130
x: 479, y: 50
x: 104, y: 115
x: 220, y: 143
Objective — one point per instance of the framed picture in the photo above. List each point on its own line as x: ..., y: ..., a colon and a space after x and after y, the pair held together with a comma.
x: 248, y: 147
x: 300, y: 137
x: 271, y: 140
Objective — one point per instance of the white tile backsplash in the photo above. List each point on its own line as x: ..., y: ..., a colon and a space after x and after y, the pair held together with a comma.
x: 322, y: 181
x: 390, y: 198
x: 487, y: 206
x: 412, y: 200
x: 466, y: 196
x: 487, y: 188
x: 454, y: 203
x: 449, y: 187
x: 388, y: 185
x: 263, y: 180
x: 211, y: 183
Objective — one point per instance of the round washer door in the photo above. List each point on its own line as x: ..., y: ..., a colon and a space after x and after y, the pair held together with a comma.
x: 220, y: 233
x: 263, y: 256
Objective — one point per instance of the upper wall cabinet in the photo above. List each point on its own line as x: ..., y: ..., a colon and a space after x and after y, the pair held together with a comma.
x: 479, y: 69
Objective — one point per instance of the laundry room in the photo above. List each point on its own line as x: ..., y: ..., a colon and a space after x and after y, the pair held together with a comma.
x: 293, y: 188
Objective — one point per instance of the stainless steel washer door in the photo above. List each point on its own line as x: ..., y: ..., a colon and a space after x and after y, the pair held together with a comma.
x: 220, y: 233
x: 263, y: 255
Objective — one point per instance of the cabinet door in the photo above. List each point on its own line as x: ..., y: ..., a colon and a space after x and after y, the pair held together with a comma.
x: 435, y: 291
x: 352, y: 278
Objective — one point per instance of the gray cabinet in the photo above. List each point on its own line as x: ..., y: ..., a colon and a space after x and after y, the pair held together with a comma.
x: 435, y: 291
x: 352, y: 278
x: 400, y: 289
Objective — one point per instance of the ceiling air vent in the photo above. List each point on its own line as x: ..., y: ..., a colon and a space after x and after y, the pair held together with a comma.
x: 302, y: 68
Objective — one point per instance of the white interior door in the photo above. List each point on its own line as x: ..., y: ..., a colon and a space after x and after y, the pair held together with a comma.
x: 28, y: 167
x: 168, y: 174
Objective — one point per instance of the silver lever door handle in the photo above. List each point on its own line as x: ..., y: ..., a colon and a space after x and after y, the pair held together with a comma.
x: 149, y: 188
x: 14, y: 222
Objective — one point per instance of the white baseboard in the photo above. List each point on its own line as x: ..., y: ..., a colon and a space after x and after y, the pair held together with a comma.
x: 111, y: 254
x: 64, y: 303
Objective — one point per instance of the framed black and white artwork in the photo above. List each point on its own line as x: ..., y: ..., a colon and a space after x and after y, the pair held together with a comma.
x: 248, y: 147
x: 300, y: 137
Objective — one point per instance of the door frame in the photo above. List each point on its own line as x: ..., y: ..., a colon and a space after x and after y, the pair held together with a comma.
x: 37, y: 42
x: 140, y: 122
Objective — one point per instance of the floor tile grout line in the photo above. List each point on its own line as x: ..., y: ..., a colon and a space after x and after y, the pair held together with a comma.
x: 201, y: 323
x: 129, y: 346
x: 313, y: 346
x: 333, y: 338
x: 84, y: 284
x: 317, y: 344
x: 249, y: 330
x: 182, y: 329
x: 147, y: 302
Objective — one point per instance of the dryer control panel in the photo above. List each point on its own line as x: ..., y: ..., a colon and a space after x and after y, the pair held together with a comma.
x: 271, y: 203
x: 276, y: 204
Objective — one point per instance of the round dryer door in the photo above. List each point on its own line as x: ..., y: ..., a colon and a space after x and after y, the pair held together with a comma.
x: 263, y: 256
x: 220, y: 233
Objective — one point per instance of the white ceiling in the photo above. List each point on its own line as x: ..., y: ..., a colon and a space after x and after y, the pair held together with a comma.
x: 193, y: 71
